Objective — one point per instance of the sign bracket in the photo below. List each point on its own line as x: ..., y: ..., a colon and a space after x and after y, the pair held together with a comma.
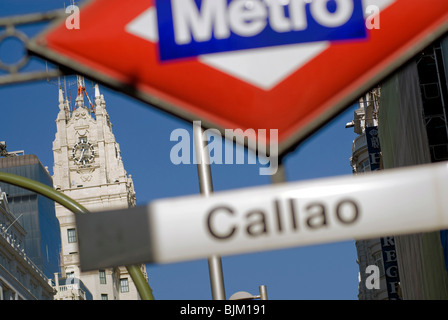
x: 14, y: 71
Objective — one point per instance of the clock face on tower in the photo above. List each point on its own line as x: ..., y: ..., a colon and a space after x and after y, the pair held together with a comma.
x: 83, y: 152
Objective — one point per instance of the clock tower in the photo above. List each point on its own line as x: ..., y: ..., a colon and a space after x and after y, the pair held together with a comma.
x: 89, y: 169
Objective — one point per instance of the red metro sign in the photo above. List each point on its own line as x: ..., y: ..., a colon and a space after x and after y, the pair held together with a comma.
x: 288, y: 66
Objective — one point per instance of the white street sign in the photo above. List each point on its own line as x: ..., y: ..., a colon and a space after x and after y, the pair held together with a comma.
x: 383, y: 203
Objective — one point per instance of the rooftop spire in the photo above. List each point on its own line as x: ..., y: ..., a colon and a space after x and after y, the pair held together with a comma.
x: 97, y: 92
x: 80, y: 96
x: 61, y: 96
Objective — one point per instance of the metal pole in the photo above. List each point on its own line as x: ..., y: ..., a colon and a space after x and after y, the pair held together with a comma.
x: 15, y: 78
x: 13, y: 222
x: 263, y: 292
x: 279, y: 176
x: 31, y: 18
x: 206, y: 188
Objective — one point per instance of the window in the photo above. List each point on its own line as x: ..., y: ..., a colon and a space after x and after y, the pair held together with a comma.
x: 364, y: 166
x: 124, y: 285
x: 102, y: 277
x: 71, y: 234
x: 378, y: 257
x: 104, y: 296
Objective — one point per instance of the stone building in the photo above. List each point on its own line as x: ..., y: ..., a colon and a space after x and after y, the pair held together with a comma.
x: 88, y: 168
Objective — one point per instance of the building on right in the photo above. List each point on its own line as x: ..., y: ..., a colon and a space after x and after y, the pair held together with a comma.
x: 403, y: 122
x: 366, y: 157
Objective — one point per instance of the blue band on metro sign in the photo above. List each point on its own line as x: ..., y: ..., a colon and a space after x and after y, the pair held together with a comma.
x: 188, y: 28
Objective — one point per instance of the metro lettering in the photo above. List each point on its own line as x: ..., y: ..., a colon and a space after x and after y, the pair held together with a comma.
x: 247, y: 20
x: 283, y: 217
x: 249, y: 17
x: 190, y: 28
x: 188, y: 20
x: 342, y: 14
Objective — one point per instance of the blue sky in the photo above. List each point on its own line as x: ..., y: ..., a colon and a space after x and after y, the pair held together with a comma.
x: 27, y: 122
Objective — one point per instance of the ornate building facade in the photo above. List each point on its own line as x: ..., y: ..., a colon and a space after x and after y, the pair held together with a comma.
x: 89, y: 169
x: 369, y: 251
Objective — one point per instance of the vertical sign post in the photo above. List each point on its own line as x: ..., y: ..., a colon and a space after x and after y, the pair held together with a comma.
x: 206, y: 188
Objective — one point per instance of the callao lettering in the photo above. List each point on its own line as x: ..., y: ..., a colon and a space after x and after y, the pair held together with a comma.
x: 224, y: 222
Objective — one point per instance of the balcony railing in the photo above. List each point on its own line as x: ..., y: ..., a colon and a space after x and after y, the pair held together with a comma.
x: 21, y: 252
x: 72, y: 290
